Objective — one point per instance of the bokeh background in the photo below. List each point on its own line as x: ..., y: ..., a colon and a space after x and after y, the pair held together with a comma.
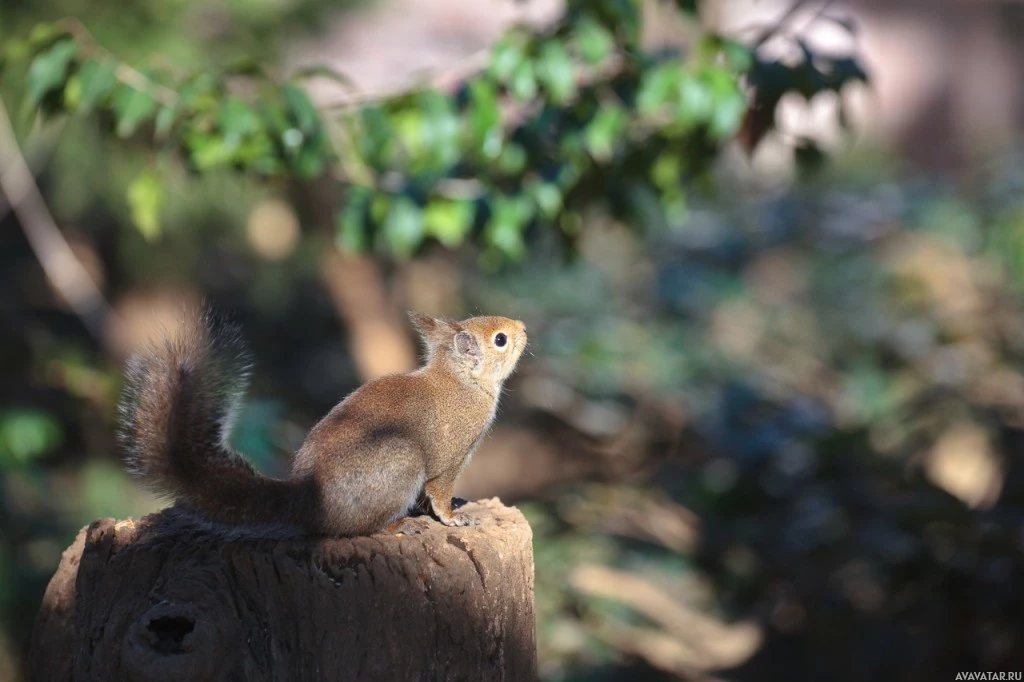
x: 771, y: 426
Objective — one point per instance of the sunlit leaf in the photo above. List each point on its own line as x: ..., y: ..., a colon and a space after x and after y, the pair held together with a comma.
x: 506, y: 55
x: 667, y: 170
x: 208, y: 150
x: 594, y: 41
x: 403, y: 228
x: 523, y: 84
x: 513, y: 159
x: 738, y: 56
x: 132, y: 107
x: 98, y: 80
x: 485, y: 118
x: 556, y: 71
x: 238, y: 118
x: 49, y: 70
x: 145, y: 198
x: 603, y: 133
x: 440, y: 131
x: 547, y: 196
x: 165, y: 119
x: 26, y: 435
x: 304, y: 114
x: 728, y: 105
x: 696, y: 100
x: 448, y: 220
x: 505, y: 229
x: 351, y: 222
x: 658, y: 88
x: 309, y: 162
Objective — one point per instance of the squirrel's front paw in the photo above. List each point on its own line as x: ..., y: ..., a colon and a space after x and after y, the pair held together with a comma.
x: 460, y: 519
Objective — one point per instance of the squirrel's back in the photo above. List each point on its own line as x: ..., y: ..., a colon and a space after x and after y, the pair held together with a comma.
x: 426, y: 411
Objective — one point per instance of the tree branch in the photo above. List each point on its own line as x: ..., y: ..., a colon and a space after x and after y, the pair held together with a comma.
x: 63, y: 269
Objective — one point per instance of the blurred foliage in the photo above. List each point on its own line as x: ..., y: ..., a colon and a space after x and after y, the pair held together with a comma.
x: 842, y: 369
x: 550, y: 124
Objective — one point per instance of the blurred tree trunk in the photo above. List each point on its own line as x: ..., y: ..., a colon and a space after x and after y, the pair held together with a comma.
x: 379, y: 338
x: 165, y: 600
x: 379, y: 342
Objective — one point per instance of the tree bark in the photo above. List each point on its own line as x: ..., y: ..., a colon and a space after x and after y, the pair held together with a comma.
x: 171, y: 598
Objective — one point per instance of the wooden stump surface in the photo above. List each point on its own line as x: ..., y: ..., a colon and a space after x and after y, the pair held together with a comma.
x: 170, y: 598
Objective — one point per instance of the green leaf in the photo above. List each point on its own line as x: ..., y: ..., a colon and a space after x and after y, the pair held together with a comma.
x: 523, y: 85
x: 375, y: 140
x: 207, y: 150
x: 735, y: 56
x: 165, y: 119
x: 547, y: 196
x: 506, y: 56
x: 508, y: 220
x: 131, y: 108
x: 403, y: 228
x: 485, y: 119
x: 658, y: 87
x: 604, y: 131
x: 667, y: 170
x: 203, y: 93
x: 440, y: 132
x: 556, y: 71
x: 728, y: 115
x: 98, y: 80
x: 738, y: 56
x: 145, y: 198
x: 448, y: 220
x: 408, y: 126
x: 352, y: 233
x: 44, y: 33
x: 26, y: 435
x: 238, y: 118
x: 594, y: 42
x: 513, y: 159
x: 310, y: 162
x: 675, y: 209
x: 49, y: 70
x: 696, y: 100
x: 304, y: 114
x: 72, y: 93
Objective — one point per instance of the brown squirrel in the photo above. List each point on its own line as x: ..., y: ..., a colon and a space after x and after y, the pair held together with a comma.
x: 395, y: 441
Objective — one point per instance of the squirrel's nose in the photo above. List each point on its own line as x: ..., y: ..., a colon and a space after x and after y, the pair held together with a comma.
x: 522, y: 327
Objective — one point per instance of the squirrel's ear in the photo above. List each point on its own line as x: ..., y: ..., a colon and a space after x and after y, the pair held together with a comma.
x: 465, y: 344
x: 433, y: 330
x: 422, y: 323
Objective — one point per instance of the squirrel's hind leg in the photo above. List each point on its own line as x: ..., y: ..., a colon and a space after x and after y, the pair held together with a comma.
x: 439, y: 494
x: 365, y: 500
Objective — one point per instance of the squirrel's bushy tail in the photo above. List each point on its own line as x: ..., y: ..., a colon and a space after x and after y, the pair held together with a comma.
x: 179, y: 405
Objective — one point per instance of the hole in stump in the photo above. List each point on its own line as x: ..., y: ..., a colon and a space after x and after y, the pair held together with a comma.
x: 168, y: 633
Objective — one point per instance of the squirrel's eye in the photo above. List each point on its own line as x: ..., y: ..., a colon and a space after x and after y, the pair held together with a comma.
x: 500, y: 340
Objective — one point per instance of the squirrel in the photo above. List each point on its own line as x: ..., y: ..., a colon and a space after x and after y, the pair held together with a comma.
x: 394, y: 443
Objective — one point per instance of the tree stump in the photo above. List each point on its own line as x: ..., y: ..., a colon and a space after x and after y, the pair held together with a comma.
x: 170, y: 598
